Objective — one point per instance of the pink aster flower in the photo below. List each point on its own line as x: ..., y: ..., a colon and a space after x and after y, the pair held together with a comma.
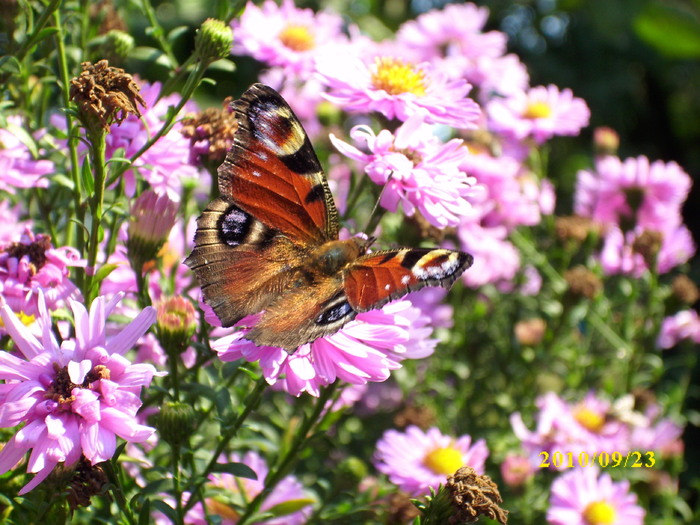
x: 619, y: 256
x: 18, y: 166
x: 496, y: 260
x: 366, y: 349
x: 582, y: 497
x: 396, y: 88
x: 73, y: 399
x: 419, y: 171
x: 285, y: 35
x: 675, y: 328
x: 539, y: 113
x: 586, y: 426
x: 31, y: 265
x: 517, y: 470
x: 633, y: 192
x: 417, y: 461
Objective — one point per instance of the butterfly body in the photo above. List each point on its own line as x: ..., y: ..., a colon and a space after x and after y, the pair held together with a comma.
x: 270, y: 241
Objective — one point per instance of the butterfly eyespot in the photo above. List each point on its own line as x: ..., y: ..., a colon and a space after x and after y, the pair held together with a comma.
x: 335, y: 313
x: 234, y: 226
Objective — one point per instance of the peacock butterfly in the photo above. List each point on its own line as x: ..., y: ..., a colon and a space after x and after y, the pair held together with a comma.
x: 270, y: 241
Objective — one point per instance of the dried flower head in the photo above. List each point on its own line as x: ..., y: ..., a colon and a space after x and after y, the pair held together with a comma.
x: 105, y: 94
x: 401, y: 509
x: 583, y: 282
x: 88, y: 480
x: 474, y: 495
x: 648, y: 245
x: 211, y: 133
x: 575, y: 228
x: 530, y: 331
x: 421, y: 416
x: 684, y: 289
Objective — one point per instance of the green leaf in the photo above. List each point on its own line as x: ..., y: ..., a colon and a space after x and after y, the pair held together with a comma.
x: 9, y: 64
x: 673, y: 32
x: 176, y: 33
x: 240, y: 470
x: 61, y: 180
x: 150, y: 54
x: 145, y: 514
x: 224, y: 65
x: 87, y: 178
x: 24, y: 137
x: 288, y: 507
x: 104, y: 271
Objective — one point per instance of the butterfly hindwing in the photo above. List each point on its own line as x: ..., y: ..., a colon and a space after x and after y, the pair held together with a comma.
x: 272, y: 171
x: 240, y: 262
x: 379, y: 277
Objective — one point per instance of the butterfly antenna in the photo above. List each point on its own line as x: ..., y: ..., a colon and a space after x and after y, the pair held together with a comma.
x: 374, y: 218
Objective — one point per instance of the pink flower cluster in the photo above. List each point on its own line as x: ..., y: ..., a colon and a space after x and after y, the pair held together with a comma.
x: 19, y: 167
x: 629, y: 198
x: 594, y: 425
x: 75, y: 398
x: 31, y: 264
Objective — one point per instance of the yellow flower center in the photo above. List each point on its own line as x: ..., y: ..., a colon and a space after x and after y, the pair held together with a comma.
x: 297, y: 38
x: 444, y: 461
x: 537, y: 110
x: 589, y: 419
x: 25, y: 319
x: 395, y: 77
x: 599, y: 513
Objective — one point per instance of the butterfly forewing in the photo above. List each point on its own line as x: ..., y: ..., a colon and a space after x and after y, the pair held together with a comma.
x: 272, y: 171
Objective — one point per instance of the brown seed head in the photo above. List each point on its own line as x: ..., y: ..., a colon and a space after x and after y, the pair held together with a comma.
x: 105, y: 94
x: 473, y: 496
x: 583, y: 282
x: 211, y: 133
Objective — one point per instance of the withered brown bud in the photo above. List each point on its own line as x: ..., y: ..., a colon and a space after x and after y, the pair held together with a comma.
x: 530, y: 332
x: 648, y: 245
x: 421, y: 416
x: 211, y: 133
x: 473, y: 496
x: 87, y: 481
x: 684, y: 289
x: 105, y: 94
x: 401, y: 510
x: 575, y: 228
x: 583, y: 282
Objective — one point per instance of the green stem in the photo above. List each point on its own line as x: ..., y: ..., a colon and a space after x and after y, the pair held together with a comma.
x: 32, y: 39
x: 97, y: 147
x: 250, y: 403
x: 118, y: 493
x: 73, y: 130
x: 301, y: 437
x: 158, y: 33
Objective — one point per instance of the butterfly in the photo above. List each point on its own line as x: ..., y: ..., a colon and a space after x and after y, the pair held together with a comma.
x: 270, y: 242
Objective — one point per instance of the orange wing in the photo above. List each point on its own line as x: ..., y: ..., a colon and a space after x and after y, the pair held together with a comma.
x: 272, y: 171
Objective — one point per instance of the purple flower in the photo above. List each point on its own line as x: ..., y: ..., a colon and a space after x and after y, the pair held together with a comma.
x: 366, y: 349
x: 73, y: 399
x: 18, y: 166
x: 517, y: 470
x: 539, y: 113
x: 633, y: 192
x: 395, y: 87
x: 32, y: 265
x: 417, y: 461
x: 683, y: 325
x: 285, y: 36
x: 11, y: 226
x: 582, y: 497
x: 419, y: 171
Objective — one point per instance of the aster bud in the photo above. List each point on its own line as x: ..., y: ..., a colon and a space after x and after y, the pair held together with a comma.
x: 516, y: 470
x: 213, y: 40
x: 152, y: 218
x: 422, y: 416
x: 530, y: 332
x: 606, y: 141
x: 175, y: 423
x: 176, y: 322
x: 349, y: 473
x: 116, y: 45
x: 648, y: 245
